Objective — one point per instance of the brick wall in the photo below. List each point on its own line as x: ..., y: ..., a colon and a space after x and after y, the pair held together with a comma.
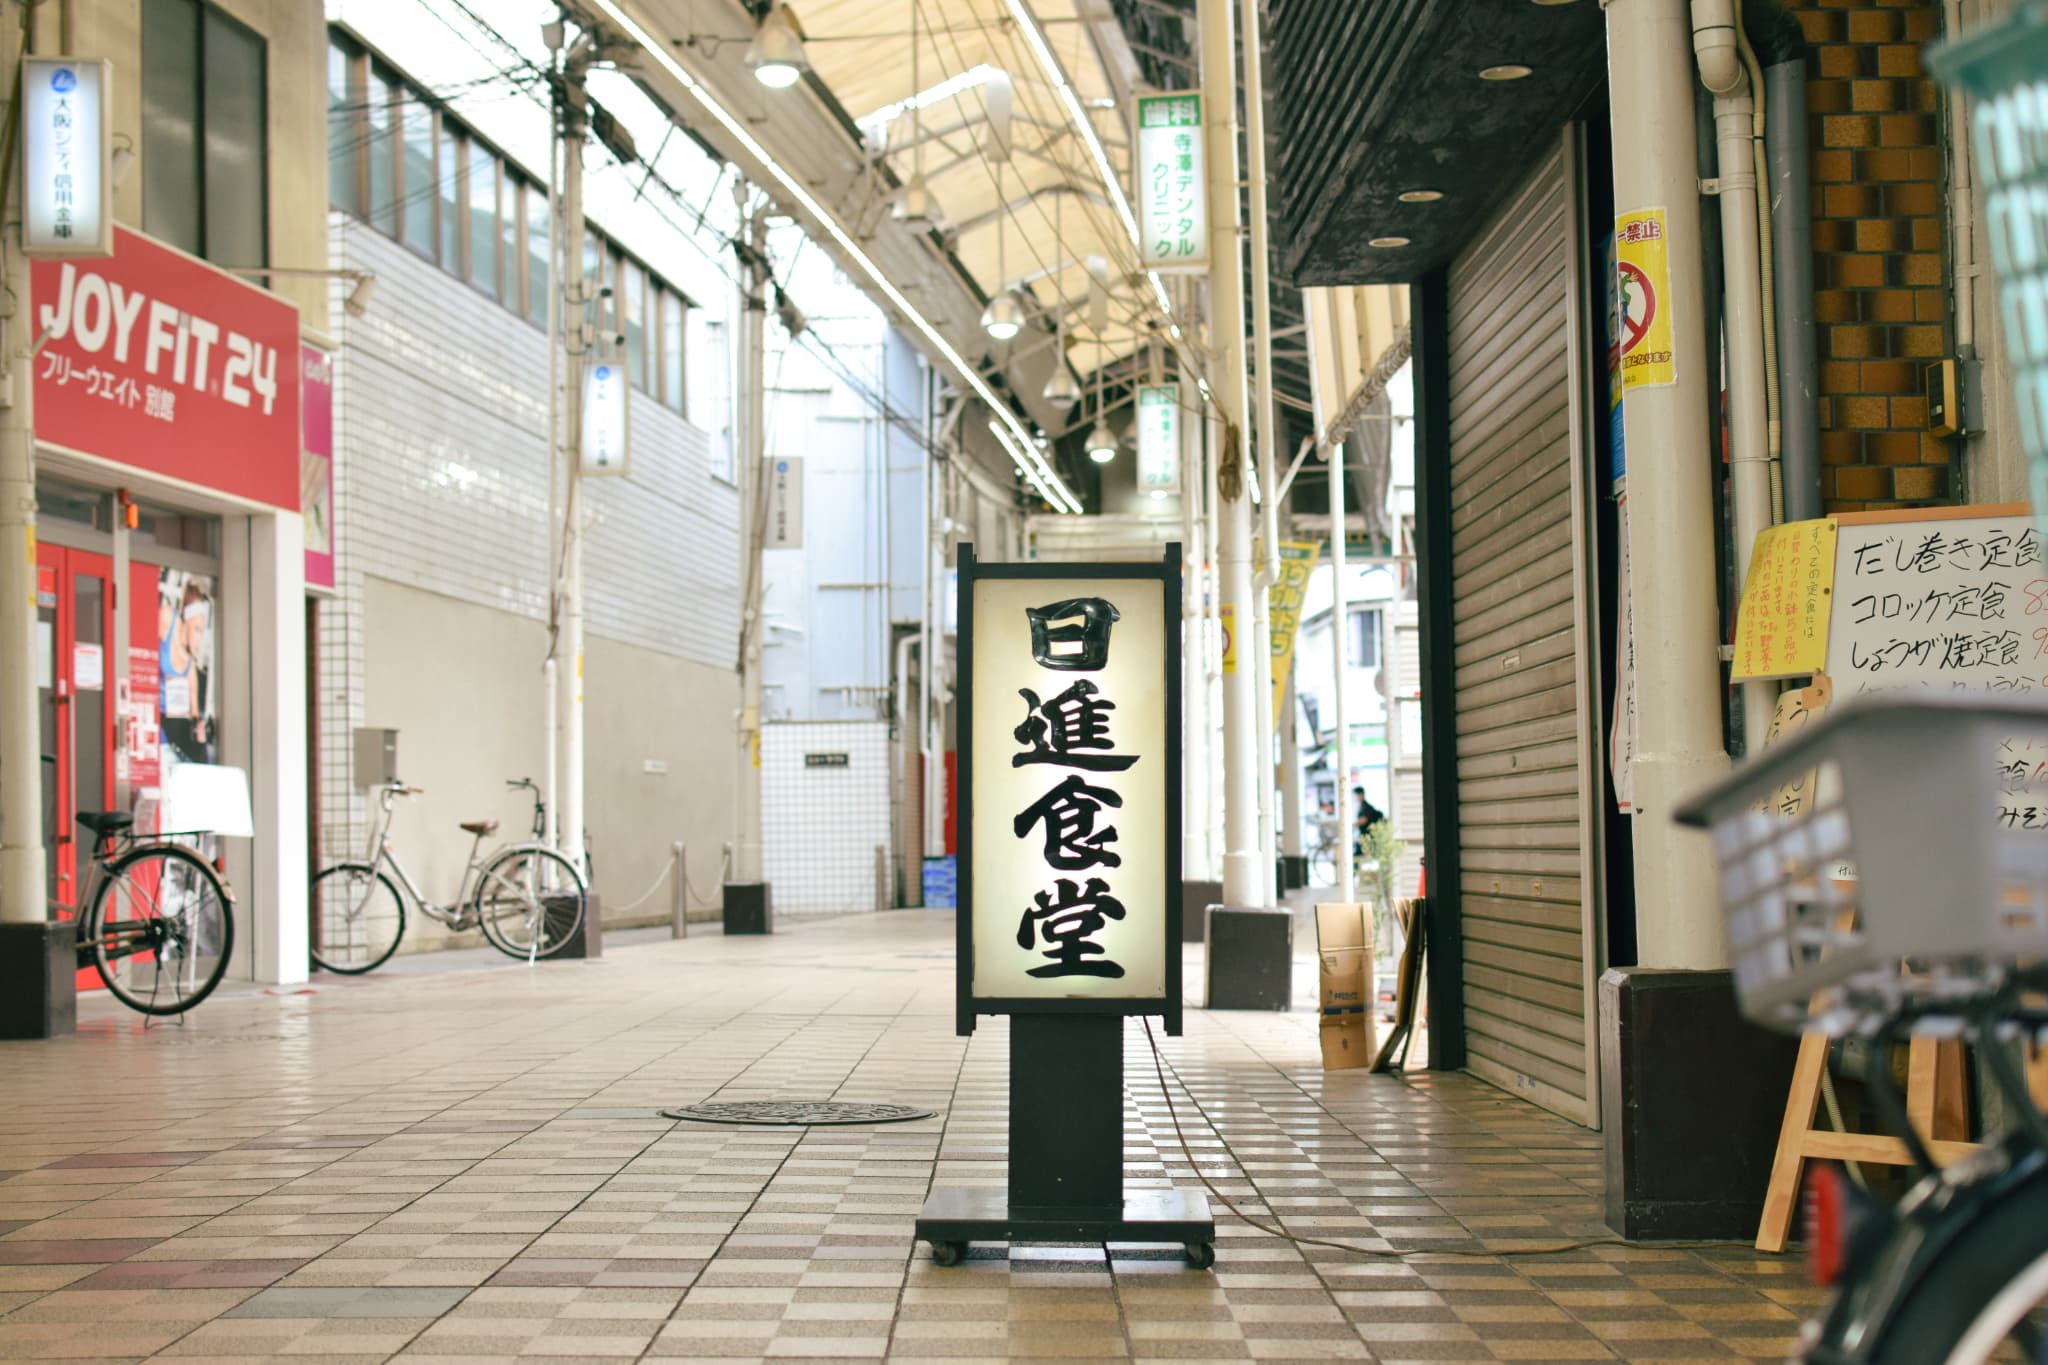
x: 1880, y: 267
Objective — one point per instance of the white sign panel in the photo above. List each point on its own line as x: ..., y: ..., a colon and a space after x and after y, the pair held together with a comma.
x: 785, y: 484
x: 1172, y: 190
x: 1069, y: 800
x: 65, y: 158
x: 605, y: 395
x: 1159, y: 439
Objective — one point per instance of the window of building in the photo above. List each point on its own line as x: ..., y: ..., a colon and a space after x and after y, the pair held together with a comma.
x: 709, y: 376
x: 345, y: 127
x: 452, y: 151
x: 416, y: 201
x: 672, y: 315
x: 538, y: 258
x: 508, y: 237
x: 482, y: 189
x: 205, y: 133
x: 383, y: 164
x: 633, y: 319
x: 1365, y: 638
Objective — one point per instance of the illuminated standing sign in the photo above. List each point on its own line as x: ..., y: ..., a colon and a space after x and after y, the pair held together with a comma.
x: 65, y: 159
x: 1159, y: 439
x: 1071, y: 770
x: 604, y: 417
x: 1172, y: 190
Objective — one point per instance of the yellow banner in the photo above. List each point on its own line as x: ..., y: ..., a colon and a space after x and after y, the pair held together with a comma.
x: 1644, y: 300
x: 1781, y: 628
x: 1227, y: 613
x: 1283, y: 614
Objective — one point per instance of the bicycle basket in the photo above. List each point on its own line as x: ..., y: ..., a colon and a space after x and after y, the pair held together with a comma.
x: 1893, y: 855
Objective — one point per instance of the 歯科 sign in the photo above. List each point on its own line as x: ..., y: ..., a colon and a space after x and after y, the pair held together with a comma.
x: 1159, y: 439
x: 1172, y: 193
x: 66, y: 157
x: 1643, y: 303
x: 1781, y: 628
x: 1070, y: 770
x: 606, y: 402
x: 155, y: 360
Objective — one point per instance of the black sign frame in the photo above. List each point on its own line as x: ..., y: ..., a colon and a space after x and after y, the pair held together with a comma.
x: 1167, y: 574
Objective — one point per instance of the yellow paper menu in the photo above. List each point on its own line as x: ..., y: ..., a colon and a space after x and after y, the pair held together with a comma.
x: 1781, y: 627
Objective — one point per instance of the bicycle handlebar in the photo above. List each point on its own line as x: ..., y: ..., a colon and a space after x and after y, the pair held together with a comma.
x: 525, y: 782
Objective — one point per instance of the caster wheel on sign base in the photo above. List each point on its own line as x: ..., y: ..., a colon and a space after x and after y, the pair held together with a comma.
x: 948, y: 1253
x: 1201, y: 1255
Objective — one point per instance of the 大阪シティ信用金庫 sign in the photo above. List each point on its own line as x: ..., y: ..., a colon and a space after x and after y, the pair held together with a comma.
x: 160, y: 362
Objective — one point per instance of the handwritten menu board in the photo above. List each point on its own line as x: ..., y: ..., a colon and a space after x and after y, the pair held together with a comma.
x: 1952, y: 600
x: 1781, y: 630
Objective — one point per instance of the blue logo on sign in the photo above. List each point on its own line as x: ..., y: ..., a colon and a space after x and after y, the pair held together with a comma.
x: 604, y: 372
x: 64, y: 80
x: 782, y: 466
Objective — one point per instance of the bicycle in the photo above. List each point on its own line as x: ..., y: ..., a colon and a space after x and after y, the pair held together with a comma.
x: 158, y: 924
x: 1877, y: 879
x: 540, y: 824
x: 528, y: 899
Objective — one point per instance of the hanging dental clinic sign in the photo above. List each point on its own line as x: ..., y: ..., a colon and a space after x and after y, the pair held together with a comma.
x: 1159, y: 439
x: 1172, y: 190
x: 66, y: 162
x: 157, y: 361
x: 1070, y: 780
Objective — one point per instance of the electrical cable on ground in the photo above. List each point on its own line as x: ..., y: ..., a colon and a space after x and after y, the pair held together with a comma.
x: 1274, y: 1228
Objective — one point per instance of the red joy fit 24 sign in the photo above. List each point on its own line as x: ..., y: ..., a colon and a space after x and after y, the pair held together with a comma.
x: 159, y: 361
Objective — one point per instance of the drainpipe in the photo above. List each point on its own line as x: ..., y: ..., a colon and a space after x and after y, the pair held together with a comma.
x: 1717, y: 48
x: 1267, y: 422
x: 1194, y: 825
x: 1791, y: 193
x: 1671, y: 533
x: 1314, y: 302
x: 1244, y: 884
x: 575, y: 122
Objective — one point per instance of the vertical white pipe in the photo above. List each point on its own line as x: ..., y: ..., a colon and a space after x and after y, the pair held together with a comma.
x: 1267, y: 424
x: 1290, y: 767
x: 1316, y: 303
x: 570, y: 828
x: 752, y: 453
x: 1749, y: 447
x: 22, y: 873
x: 1671, y: 535
x: 1244, y: 885
x: 1195, y: 783
x: 551, y: 682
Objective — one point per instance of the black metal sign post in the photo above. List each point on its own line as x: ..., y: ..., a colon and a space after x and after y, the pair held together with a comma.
x: 1069, y: 887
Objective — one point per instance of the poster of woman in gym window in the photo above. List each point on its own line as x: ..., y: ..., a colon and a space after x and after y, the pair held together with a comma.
x: 185, y: 663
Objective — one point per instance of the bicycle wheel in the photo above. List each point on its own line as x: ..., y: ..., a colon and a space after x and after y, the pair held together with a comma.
x: 1322, y: 867
x: 160, y: 930
x: 529, y: 902
x: 1986, y: 1299
x: 358, y: 918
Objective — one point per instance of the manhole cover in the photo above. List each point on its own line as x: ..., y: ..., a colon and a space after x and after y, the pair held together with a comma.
x: 796, y: 1113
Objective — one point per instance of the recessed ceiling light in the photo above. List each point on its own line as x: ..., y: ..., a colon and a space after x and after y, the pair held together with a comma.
x: 1421, y: 196
x: 1507, y: 72
x: 1553, y: 2
x: 1387, y: 242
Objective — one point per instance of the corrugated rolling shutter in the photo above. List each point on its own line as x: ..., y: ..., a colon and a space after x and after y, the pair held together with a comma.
x: 1518, y: 641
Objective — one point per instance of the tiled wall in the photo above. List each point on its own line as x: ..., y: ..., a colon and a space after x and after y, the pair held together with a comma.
x: 441, y: 483
x: 821, y: 826
x: 1881, y: 263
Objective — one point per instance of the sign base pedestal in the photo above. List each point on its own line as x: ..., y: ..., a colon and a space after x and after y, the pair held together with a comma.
x: 1066, y: 1179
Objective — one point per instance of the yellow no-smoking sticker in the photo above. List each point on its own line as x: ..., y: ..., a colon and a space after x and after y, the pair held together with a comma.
x: 1644, y: 300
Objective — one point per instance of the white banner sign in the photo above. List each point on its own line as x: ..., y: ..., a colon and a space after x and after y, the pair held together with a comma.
x: 65, y: 159
x: 1172, y: 190
x: 605, y: 404
x: 1069, y: 794
x: 785, y: 504
x: 1159, y: 439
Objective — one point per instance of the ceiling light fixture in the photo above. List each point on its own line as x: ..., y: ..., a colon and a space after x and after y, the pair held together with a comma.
x: 1388, y: 243
x: 776, y: 55
x: 1101, y: 443
x: 1004, y: 316
x: 1061, y: 388
x: 1033, y: 468
x: 1507, y: 71
x: 1420, y: 196
x: 915, y: 206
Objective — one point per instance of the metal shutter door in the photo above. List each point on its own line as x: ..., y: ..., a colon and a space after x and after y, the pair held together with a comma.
x: 1518, y: 585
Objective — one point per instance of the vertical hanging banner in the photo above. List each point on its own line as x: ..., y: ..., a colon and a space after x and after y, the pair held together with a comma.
x: 1172, y: 190
x: 1643, y: 282
x: 1298, y: 559
x: 1069, y: 873
x: 66, y: 158
x: 1159, y: 439
x: 604, y: 447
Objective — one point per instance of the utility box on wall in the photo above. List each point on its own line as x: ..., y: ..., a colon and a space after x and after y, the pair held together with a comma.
x: 376, y: 756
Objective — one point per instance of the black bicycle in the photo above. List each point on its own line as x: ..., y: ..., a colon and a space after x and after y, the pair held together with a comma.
x: 158, y: 923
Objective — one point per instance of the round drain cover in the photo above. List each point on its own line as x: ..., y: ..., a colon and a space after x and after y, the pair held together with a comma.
x: 795, y: 1113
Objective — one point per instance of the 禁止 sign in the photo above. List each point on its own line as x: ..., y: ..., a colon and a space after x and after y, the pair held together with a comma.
x: 1070, y: 770
x: 1643, y: 302
x: 605, y: 404
x: 157, y: 361
x: 785, y: 479
x: 1159, y: 439
x: 1173, y: 203
x: 66, y: 160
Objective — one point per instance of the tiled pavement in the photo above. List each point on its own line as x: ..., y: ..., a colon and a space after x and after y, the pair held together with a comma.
x: 469, y: 1166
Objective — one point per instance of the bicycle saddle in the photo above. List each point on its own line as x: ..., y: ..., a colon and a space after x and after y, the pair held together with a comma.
x: 105, y: 821
x: 480, y: 827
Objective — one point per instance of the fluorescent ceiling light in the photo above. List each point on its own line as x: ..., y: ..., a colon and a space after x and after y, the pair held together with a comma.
x: 1054, y: 491
x: 925, y: 99
x: 1030, y: 463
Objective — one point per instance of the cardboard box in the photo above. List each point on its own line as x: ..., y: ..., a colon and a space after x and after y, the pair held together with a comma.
x: 1344, y: 948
